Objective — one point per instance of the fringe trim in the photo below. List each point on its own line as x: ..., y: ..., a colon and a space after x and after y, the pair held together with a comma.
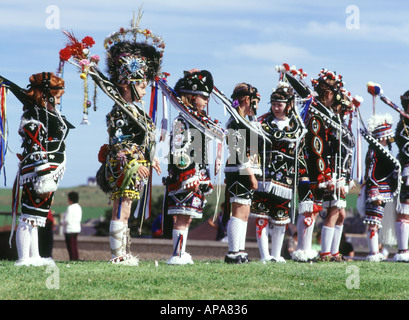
x: 34, y: 221
x: 335, y: 203
x: 188, y: 212
x: 240, y: 200
x: 276, y: 189
x: 281, y: 222
x: 306, y: 206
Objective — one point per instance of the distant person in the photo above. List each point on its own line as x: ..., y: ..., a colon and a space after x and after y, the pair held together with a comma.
x: 221, y: 234
x: 71, y: 222
x: 157, y: 227
x: 289, y: 246
x: 346, y: 249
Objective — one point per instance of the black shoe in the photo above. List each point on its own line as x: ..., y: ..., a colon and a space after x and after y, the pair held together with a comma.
x: 244, y: 257
x: 234, y: 258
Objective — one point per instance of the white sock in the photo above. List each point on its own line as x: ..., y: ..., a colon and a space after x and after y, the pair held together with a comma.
x: 402, y: 234
x: 277, y: 239
x: 373, y: 243
x: 23, y: 240
x: 309, y: 232
x: 327, y: 234
x: 304, y: 234
x: 336, y: 240
x: 179, y: 241
x: 34, y: 251
x: 262, y: 243
x: 243, y: 234
x: 117, y: 234
x: 233, y: 234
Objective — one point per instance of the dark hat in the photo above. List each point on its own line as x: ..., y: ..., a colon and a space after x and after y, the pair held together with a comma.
x: 198, y: 82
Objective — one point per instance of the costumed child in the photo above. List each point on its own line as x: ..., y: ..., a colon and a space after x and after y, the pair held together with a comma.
x: 129, y: 156
x: 342, y: 145
x: 188, y: 181
x: 402, y: 223
x: 285, y: 173
x: 42, y: 163
x: 319, y: 121
x: 240, y: 171
x: 382, y: 179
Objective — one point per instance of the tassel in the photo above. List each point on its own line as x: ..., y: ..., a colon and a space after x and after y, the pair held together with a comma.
x: 153, y: 106
x: 3, y: 129
x: 359, y: 154
x: 164, y: 128
x: 15, y: 202
x: 95, y: 96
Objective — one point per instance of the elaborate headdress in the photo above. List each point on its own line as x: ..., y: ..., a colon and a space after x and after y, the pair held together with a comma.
x: 197, y: 82
x: 129, y: 60
x: 329, y: 80
x: 282, y: 93
x: 380, y: 126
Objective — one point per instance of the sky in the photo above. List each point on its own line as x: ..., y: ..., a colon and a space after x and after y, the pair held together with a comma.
x: 236, y: 40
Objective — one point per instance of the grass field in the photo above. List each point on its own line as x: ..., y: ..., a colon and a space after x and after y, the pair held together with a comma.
x: 206, y: 280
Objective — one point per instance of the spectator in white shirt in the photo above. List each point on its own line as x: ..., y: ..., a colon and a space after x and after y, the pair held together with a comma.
x: 71, y: 222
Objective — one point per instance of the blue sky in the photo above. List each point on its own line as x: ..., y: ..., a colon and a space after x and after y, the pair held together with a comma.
x: 236, y: 40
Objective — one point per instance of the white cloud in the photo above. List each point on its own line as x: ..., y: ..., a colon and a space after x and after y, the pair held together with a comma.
x: 274, y: 52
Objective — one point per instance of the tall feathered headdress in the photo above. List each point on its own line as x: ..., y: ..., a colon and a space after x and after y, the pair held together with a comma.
x: 130, y: 60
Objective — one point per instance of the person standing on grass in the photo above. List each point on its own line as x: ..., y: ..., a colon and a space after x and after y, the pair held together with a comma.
x: 382, y: 179
x: 42, y: 163
x: 188, y: 181
x: 342, y: 145
x: 71, y: 222
x: 320, y: 121
x: 130, y: 154
x: 241, y: 169
x: 285, y: 173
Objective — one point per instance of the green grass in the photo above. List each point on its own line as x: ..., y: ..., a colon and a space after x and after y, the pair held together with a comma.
x: 206, y: 280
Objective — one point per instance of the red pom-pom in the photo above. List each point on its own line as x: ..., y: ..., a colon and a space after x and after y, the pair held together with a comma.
x: 88, y: 42
x: 103, y: 152
x: 65, y: 54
